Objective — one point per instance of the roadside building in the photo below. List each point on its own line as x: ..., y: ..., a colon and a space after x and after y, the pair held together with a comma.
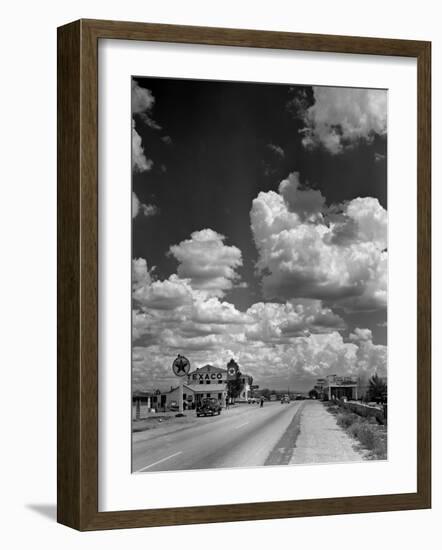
x: 337, y: 387
x: 172, y: 397
x: 144, y: 401
x: 208, y: 381
x: 211, y: 381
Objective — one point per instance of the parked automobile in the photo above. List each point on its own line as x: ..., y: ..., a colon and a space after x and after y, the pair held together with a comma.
x: 208, y: 406
x: 299, y: 397
x: 174, y: 407
x: 285, y: 399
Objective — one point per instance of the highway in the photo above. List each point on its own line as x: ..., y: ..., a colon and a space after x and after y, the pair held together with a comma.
x: 245, y: 435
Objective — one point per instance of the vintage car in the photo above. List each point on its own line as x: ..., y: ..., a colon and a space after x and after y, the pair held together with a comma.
x: 208, y: 405
x: 285, y: 399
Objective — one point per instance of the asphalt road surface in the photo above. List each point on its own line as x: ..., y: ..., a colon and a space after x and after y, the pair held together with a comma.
x: 246, y: 435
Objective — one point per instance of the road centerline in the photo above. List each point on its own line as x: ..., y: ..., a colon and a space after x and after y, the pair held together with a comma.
x: 158, y: 462
x: 241, y: 425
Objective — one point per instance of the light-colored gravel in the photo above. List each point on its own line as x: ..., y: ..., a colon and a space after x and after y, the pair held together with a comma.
x: 321, y: 440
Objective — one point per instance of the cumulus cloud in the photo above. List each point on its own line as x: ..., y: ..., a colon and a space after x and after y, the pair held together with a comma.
x: 173, y: 304
x: 303, y: 252
x: 207, y: 262
x: 142, y: 98
x: 142, y: 104
x: 142, y: 276
x: 299, y: 359
x: 361, y: 335
x: 340, y: 117
x: 213, y: 311
x: 276, y: 149
x: 273, y: 322
x: 169, y: 294
x: 140, y: 208
x: 302, y: 339
x: 305, y: 202
x: 171, y: 315
x: 140, y: 163
x: 305, y: 359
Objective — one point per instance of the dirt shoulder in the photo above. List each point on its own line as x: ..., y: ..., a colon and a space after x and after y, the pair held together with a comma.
x: 321, y: 440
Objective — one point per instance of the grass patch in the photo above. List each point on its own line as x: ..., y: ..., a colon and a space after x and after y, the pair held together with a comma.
x: 367, y: 431
x: 372, y: 436
x: 346, y: 420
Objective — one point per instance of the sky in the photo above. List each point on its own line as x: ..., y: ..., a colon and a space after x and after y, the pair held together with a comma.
x: 259, y: 230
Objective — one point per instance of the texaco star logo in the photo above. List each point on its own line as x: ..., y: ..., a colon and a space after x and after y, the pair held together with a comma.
x: 232, y: 371
x: 181, y: 366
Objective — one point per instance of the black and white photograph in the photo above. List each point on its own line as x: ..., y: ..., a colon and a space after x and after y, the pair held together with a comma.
x: 259, y: 274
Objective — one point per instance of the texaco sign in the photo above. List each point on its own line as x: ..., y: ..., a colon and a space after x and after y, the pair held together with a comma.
x: 181, y: 366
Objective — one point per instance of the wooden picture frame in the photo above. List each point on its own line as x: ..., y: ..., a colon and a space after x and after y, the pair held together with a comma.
x: 77, y: 461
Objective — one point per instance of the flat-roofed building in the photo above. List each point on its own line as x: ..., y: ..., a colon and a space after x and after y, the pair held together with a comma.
x: 208, y: 381
x: 336, y: 387
x: 211, y: 381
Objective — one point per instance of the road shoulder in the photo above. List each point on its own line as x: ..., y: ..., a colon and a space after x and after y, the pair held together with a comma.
x: 321, y: 440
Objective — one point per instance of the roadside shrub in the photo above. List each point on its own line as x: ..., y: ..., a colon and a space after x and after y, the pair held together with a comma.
x: 365, y: 433
x: 346, y: 419
x: 370, y: 435
x: 332, y: 408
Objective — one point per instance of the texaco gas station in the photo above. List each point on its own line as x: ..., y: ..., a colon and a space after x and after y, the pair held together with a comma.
x: 208, y: 381
x: 194, y: 385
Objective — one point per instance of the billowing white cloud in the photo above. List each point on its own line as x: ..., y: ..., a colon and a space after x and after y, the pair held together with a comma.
x: 140, y: 163
x: 307, y: 251
x: 307, y: 203
x: 135, y: 205
x: 169, y: 294
x: 140, y: 208
x: 300, y: 340
x: 361, y: 335
x: 142, y: 104
x: 142, y: 98
x: 340, y: 117
x: 210, y: 310
x: 207, y: 262
x: 299, y: 361
x: 141, y: 275
x: 279, y: 323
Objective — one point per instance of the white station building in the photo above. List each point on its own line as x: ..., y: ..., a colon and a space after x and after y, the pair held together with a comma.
x: 210, y: 381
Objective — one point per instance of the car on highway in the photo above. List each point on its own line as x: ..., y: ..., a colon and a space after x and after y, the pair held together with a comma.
x: 285, y: 399
x: 208, y: 406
